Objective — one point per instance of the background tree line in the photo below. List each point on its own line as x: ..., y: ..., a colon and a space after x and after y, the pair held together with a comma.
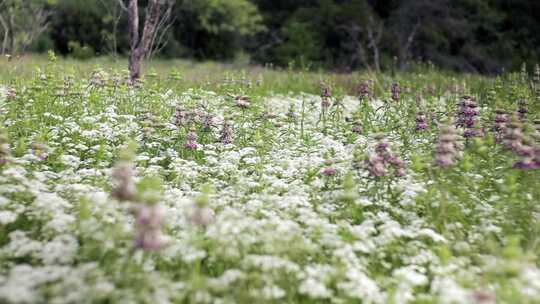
x: 483, y: 36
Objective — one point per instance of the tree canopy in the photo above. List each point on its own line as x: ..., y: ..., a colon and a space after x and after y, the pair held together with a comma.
x: 483, y: 36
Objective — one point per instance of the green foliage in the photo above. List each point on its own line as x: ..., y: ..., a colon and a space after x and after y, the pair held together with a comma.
x: 80, y: 52
x: 286, y: 212
x: 301, y: 46
x: 484, y: 36
x: 228, y: 16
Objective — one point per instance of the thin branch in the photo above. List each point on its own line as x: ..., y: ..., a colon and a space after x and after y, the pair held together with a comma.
x: 160, y: 42
x: 153, y: 12
x: 122, y: 5
x: 161, y: 29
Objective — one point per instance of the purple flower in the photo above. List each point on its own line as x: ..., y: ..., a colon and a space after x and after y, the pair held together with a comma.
x: 499, y: 127
x: 208, y: 121
x: 191, y: 145
x: 515, y: 141
x: 421, y: 123
x: 513, y: 138
x: 123, y: 176
x: 383, y: 158
x: 376, y: 165
x: 191, y: 141
x: 148, y: 222
x: 447, y: 149
x: 396, y: 92
x: 501, y: 117
x: 242, y: 102
x: 225, y: 135
x: 526, y: 165
x: 326, y: 98
x: 364, y: 90
x: 150, y: 216
x: 467, y: 115
x: 357, y: 128
x: 150, y: 240
x: 201, y: 215
x: 444, y: 160
x: 180, y: 117
x: 329, y: 171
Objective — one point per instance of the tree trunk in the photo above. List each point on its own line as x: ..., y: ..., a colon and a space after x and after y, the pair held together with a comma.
x: 134, y: 58
x: 140, y: 47
x: 11, y: 27
x: 6, y: 35
x: 406, y: 47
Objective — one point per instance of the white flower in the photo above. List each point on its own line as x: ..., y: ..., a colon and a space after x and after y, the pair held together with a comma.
x: 7, y: 217
x: 70, y: 160
x: 314, y: 289
x: 61, y: 250
x: 271, y: 292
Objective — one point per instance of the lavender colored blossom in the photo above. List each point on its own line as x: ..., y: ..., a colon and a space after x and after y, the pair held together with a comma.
x: 376, y: 165
x: 396, y: 92
x: 180, y: 117
x: 326, y: 98
x: 499, y: 127
x: 226, y: 132
x: 447, y: 149
x: 191, y: 141
x: 467, y: 117
x: 357, y: 127
x: 383, y: 159
x: 201, y: 215
x: 242, y: 102
x: 365, y: 90
x: 421, y: 122
x: 148, y: 221
x: 523, y: 147
x: 329, y: 171
x: 123, y: 177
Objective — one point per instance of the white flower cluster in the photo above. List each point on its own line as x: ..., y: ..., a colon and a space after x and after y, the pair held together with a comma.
x: 281, y: 230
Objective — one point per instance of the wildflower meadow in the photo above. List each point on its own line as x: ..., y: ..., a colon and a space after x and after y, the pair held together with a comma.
x: 213, y: 184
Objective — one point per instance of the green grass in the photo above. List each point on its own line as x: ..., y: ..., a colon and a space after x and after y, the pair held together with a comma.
x: 289, y: 211
x: 223, y: 78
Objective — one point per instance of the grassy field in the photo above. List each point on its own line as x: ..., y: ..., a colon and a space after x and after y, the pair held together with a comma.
x: 216, y: 183
x: 222, y: 78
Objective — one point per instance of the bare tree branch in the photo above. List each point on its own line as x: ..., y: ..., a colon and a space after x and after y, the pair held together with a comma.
x: 161, y: 42
x: 122, y: 5
x: 165, y: 22
x: 374, y: 40
x: 116, y: 13
x: 354, y: 31
x: 153, y: 12
x: 36, y: 27
x: 406, y: 46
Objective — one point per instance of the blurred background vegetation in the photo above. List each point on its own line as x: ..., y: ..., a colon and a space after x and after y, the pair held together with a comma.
x: 479, y: 36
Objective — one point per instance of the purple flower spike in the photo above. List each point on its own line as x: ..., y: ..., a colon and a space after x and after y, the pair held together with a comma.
x: 329, y: 171
x: 447, y: 149
x: 421, y: 122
